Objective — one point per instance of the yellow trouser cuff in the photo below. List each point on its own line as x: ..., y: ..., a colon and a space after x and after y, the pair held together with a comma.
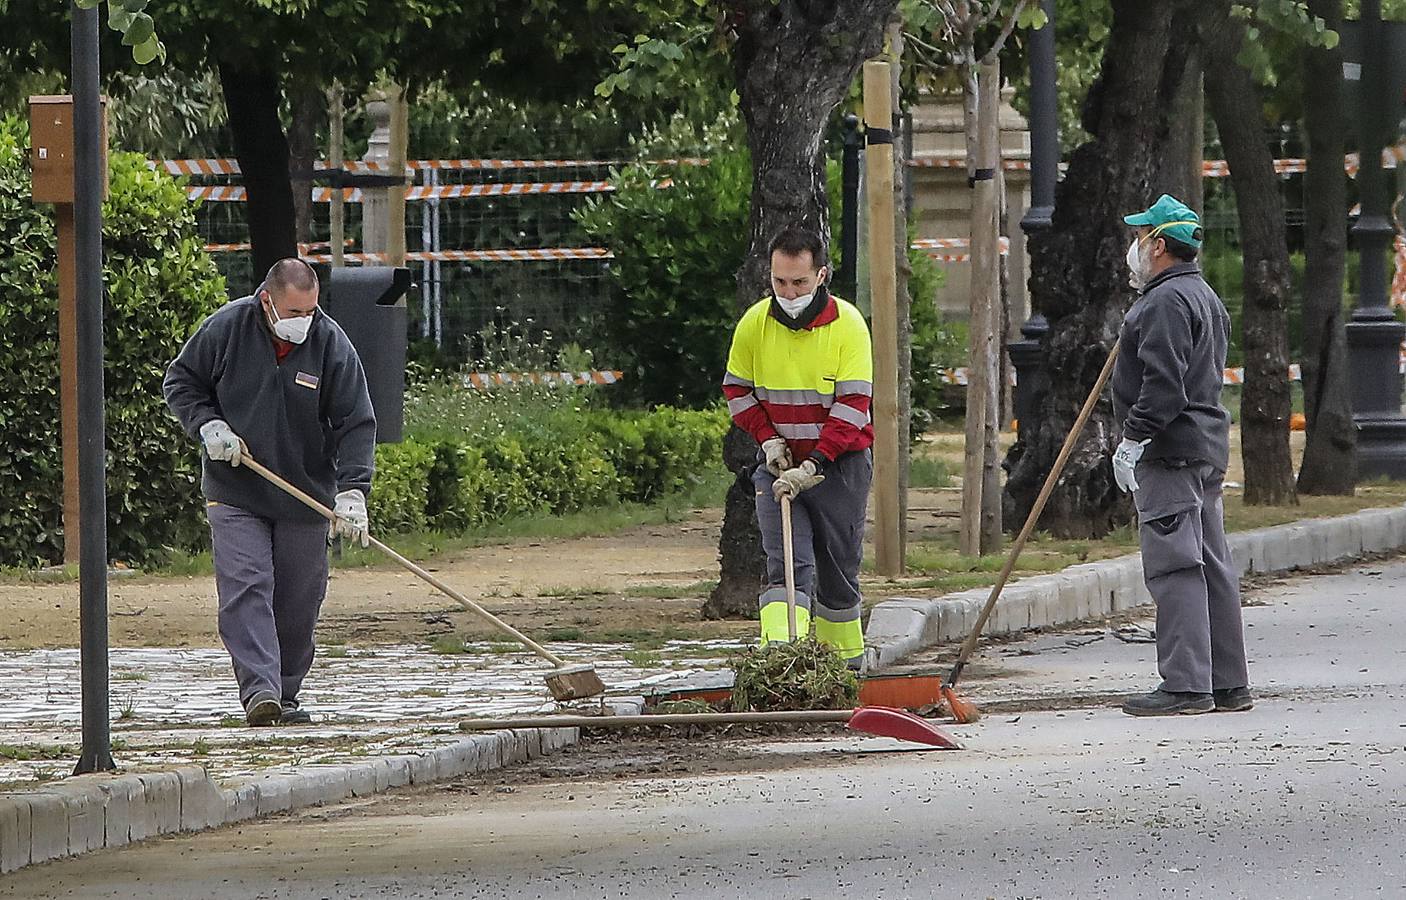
x: 775, y: 626
x: 845, y: 638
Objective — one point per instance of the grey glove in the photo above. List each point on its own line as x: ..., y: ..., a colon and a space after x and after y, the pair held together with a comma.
x: 1125, y: 460
x: 221, y: 443
x: 352, y: 521
x: 778, y: 455
x: 792, y: 481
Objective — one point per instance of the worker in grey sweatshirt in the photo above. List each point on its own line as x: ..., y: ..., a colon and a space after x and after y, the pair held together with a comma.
x: 273, y: 377
x: 1174, y: 451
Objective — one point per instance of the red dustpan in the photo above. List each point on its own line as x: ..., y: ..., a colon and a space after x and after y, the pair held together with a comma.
x: 904, y: 726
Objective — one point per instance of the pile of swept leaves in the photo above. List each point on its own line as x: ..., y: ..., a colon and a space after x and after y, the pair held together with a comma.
x: 801, y: 675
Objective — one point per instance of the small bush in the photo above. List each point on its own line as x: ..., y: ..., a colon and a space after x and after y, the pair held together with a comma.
x: 400, y: 491
x: 563, y: 462
x: 159, y: 285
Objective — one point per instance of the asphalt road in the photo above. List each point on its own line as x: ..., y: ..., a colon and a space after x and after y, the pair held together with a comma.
x: 1301, y: 797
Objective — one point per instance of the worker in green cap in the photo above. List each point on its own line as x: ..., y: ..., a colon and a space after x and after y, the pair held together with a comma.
x: 1172, y: 457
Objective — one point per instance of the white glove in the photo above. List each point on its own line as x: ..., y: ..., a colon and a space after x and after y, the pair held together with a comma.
x: 352, y: 522
x: 1125, y: 464
x: 221, y: 443
x: 778, y: 455
x: 792, y: 481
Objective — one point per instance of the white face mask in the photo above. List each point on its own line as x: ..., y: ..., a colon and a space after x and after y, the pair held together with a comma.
x: 1137, y: 277
x: 794, y: 308
x: 293, y: 330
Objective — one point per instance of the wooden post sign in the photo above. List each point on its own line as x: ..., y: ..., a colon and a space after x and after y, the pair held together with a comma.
x: 51, y: 160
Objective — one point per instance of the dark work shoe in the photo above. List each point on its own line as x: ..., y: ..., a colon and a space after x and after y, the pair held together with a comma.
x: 293, y: 714
x: 263, y: 709
x: 1234, y: 699
x: 1169, y: 703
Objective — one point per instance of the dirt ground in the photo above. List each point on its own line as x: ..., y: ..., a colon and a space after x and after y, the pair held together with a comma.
x: 640, y: 584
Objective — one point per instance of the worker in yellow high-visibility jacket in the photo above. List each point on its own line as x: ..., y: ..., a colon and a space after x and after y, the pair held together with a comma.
x: 800, y: 380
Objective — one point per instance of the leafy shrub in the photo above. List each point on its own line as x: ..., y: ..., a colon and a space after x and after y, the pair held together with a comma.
x: 160, y: 285
x: 676, y: 252
x: 570, y: 463
x: 401, y: 488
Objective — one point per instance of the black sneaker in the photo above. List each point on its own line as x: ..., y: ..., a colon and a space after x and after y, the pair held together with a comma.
x: 1234, y: 699
x: 1169, y: 703
x: 293, y: 714
x: 263, y: 709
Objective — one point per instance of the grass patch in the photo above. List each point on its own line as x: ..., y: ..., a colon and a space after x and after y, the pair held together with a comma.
x: 448, y: 645
x: 427, y: 692
x: 26, y: 752
x: 928, y: 472
x: 564, y: 633
x: 564, y: 592
x: 698, y: 589
x: 200, y: 747
x: 642, y: 638
x: 643, y: 659
x: 131, y: 676
x: 336, y: 652
x: 231, y: 721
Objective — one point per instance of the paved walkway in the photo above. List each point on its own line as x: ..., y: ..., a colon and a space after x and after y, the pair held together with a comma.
x: 172, y: 707
x: 1302, y: 797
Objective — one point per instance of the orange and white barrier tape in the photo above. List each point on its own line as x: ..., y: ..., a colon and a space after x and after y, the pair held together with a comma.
x: 533, y: 255
x: 934, y: 247
x: 1211, y: 168
x: 215, y: 167
x: 1228, y: 376
x: 303, y: 249
x: 235, y: 194
x: 483, y: 381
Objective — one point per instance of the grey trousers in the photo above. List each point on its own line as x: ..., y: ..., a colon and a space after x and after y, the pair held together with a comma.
x: 1189, y: 572
x: 827, y: 528
x: 271, y: 577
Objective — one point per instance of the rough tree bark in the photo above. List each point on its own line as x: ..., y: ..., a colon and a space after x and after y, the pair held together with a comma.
x: 1264, y: 406
x: 1330, y: 453
x: 793, y: 62
x: 306, y: 105
x: 251, y: 98
x: 1077, y: 275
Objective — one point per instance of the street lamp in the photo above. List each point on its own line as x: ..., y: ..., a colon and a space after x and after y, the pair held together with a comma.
x: 1374, y: 334
x: 1028, y: 356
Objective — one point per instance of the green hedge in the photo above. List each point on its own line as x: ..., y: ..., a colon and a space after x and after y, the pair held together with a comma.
x: 160, y: 285
x: 599, y: 459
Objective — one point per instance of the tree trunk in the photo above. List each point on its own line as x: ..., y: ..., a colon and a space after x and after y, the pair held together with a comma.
x: 1077, y: 275
x: 1185, y: 153
x: 793, y: 63
x: 306, y: 106
x: 1330, y: 453
x: 903, y: 270
x: 251, y: 98
x: 1264, y: 407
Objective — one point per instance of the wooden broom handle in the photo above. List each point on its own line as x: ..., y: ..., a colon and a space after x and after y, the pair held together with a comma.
x: 789, y: 554
x: 1030, y: 520
x: 471, y: 606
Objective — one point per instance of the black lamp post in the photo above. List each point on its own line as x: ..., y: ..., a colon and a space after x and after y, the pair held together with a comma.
x: 1374, y: 334
x: 1028, y: 356
x: 92, y: 470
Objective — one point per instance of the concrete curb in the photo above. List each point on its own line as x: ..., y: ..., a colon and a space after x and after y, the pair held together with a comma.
x: 91, y: 812
x: 902, y: 626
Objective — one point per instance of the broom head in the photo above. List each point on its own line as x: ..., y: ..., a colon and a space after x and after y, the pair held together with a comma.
x: 964, y: 712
